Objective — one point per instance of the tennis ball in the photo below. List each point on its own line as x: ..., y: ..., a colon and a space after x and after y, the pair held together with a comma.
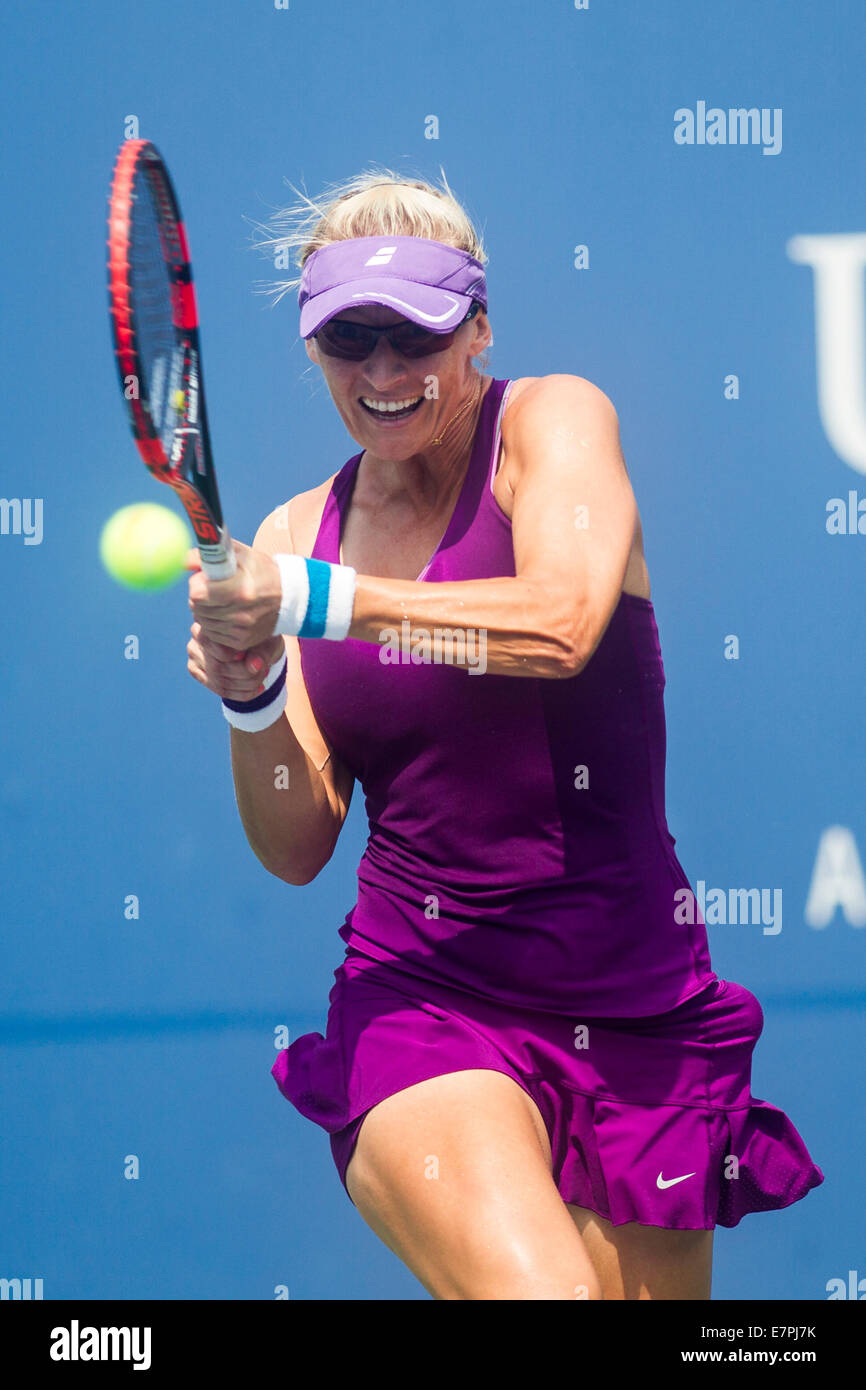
x: 144, y: 546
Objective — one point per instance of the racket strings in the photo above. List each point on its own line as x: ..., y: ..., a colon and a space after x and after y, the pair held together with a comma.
x: 152, y: 297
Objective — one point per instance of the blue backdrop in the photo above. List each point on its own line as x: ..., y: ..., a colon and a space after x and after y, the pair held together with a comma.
x: 561, y: 126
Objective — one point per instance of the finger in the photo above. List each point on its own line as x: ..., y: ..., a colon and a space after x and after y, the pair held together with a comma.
x: 214, y: 594
x: 198, y: 587
x: 197, y: 671
x: 206, y: 667
x: 243, y: 692
x: 232, y: 678
x: 228, y: 635
x: 263, y: 656
x: 218, y: 652
x: 225, y: 689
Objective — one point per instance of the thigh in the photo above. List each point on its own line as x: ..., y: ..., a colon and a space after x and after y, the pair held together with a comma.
x: 454, y: 1175
x: 646, y: 1262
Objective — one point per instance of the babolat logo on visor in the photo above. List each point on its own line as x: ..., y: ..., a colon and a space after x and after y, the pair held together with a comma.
x: 382, y: 256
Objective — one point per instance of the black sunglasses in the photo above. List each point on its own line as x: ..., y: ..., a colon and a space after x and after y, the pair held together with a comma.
x: 355, y: 341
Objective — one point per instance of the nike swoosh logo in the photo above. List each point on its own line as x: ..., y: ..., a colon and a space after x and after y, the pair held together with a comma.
x: 428, y: 318
x: 669, y: 1182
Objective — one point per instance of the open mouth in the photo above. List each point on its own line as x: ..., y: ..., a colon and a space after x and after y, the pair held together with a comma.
x: 399, y: 411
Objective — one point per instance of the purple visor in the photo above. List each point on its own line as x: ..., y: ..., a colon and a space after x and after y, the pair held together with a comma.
x: 425, y: 281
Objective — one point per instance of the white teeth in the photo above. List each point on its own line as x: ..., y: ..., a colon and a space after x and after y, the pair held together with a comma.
x: 392, y: 406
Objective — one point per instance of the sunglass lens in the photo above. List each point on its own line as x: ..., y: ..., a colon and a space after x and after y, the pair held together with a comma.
x: 343, y: 339
x: 414, y: 341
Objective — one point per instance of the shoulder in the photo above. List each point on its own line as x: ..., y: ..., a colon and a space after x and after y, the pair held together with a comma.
x: 291, y: 528
x: 541, y: 401
x: 539, y: 408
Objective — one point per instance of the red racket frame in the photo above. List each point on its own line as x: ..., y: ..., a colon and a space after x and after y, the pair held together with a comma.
x: 189, y: 467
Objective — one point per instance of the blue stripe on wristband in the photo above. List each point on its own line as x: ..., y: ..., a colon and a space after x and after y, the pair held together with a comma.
x: 317, y: 598
x: 316, y: 616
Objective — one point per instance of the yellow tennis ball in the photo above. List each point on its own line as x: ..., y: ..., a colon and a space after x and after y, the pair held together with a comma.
x: 144, y: 546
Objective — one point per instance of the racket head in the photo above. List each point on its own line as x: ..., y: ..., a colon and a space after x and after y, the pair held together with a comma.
x: 154, y: 321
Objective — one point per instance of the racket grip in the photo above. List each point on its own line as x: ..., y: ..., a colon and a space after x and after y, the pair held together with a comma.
x: 219, y: 561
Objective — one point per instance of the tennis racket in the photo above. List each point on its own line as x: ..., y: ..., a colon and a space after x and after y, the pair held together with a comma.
x: 155, y: 329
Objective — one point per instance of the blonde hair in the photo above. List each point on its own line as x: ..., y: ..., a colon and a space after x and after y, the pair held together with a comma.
x: 378, y: 202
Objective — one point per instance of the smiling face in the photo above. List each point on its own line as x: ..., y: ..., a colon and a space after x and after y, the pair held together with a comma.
x: 387, y: 377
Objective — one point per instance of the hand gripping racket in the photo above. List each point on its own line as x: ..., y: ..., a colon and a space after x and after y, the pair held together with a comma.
x: 155, y: 328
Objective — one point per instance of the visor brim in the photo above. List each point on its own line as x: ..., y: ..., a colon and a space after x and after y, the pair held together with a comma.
x: 439, y: 310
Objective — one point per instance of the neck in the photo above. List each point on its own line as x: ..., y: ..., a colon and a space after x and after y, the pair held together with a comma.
x: 429, y: 476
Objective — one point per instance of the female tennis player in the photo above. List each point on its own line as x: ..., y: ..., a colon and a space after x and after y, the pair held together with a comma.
x: 534, y: 1083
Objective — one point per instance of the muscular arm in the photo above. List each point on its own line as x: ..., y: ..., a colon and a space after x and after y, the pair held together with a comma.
x: 573, y: 522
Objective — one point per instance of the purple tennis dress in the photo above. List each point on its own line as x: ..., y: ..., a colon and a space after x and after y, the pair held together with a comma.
x: 516, y: 909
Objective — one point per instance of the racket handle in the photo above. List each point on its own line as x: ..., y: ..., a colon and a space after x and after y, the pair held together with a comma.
x: 219, y: 561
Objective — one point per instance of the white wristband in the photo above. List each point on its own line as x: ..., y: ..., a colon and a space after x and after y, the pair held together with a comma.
x: 296, y: 595
x: 317, y: 600
x: 262, y: 710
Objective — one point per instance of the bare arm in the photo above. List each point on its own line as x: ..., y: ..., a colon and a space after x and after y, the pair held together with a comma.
x: 573, y: 523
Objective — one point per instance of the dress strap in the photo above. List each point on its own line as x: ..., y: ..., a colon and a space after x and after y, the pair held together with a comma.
x: 497, y: 436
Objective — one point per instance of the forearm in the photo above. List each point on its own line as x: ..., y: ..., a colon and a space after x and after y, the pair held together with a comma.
x: 284, y: 802
x: 511, y: 619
